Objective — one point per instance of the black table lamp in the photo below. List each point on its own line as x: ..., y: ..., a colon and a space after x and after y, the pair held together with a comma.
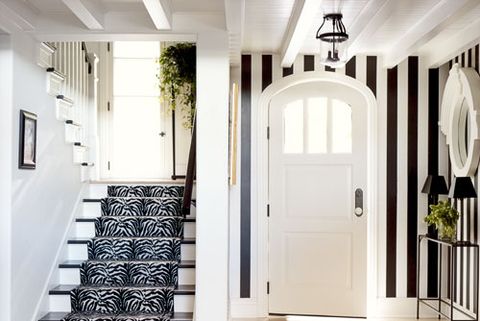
x: 435, y: 185
x: 462, y: 187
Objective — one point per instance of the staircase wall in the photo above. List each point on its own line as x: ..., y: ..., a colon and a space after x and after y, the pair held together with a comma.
x: 5, y: 174
x: 42, y: 199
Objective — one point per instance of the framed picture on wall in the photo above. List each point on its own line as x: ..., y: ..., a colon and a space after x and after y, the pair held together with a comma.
x: 28, y: 140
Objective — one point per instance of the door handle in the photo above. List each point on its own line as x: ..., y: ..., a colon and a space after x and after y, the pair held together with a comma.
x: 162, y: 134
x: 358, y: 202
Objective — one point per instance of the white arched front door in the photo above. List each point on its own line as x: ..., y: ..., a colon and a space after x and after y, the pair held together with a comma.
x: 317, y: 168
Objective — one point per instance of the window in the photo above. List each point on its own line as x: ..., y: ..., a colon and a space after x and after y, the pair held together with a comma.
x: 317, y: 125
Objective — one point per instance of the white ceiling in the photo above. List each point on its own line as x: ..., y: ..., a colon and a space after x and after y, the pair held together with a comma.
x: 392, y: 28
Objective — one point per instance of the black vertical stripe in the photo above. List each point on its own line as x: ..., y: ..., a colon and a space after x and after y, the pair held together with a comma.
x: 392, y: 141
x: 475, y: 216
x: 469, y: 58
x: 450, y: 64
x: 328, y: 68
x: 433, y: 141
x: 266, y: 71
x: 287, y: 71
x: 245, y: 167
x: 351, y: 67
x: 308, y: 63
x: 463, y: 60
x: 476, y: 57
x: 372, y: 74
x: 456, y: 59
x: 412, y: 161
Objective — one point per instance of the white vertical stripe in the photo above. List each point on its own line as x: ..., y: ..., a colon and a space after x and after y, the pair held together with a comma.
x: 298, y: 65
x: 442, y: 143
x: 381, y: 175
x: 361, y: 68
x: 318, y: 64
x: 277, y: 69
x: 422, y: 162
x: 402, y: 174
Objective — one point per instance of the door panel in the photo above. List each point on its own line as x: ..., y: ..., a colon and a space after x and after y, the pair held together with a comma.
x: 317, y: 246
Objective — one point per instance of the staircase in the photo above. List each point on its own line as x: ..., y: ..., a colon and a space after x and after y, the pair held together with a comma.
x: 133, y: 258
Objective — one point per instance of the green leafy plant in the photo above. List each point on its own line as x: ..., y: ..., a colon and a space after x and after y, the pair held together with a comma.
x: 177, y: 78
x: 445, y: 218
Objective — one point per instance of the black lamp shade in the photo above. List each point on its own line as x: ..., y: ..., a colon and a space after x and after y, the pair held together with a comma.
x: 435, y: 185
x: 462, y: 187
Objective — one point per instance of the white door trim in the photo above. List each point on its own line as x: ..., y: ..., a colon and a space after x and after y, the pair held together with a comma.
x: 260, y: 179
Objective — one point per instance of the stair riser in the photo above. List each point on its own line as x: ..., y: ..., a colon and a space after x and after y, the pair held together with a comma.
x: 92, y: 209
x: 72, y: 276
x: 79, y: 252
x: 100, y: 190
x: 87, y: 229
x: 61, y: 303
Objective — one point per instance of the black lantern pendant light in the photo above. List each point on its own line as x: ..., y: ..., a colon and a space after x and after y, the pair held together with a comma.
x: 333, y: 44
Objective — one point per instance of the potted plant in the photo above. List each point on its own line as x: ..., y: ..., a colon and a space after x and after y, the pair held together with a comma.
x: 445, y: 218
x: 177, y: 78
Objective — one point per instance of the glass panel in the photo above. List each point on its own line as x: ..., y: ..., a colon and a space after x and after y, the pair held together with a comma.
x: 293, y: 127
x: 317, y: 125
x: 135, y: 77
x: 136, y: 126
x: 136, y: 49
x: 341, y: 127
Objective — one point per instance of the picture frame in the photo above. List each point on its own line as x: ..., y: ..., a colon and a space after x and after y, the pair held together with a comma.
x: 233, y: 143
x: 27, y: 153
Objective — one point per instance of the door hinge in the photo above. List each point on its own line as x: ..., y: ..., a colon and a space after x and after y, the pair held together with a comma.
x: 268, y: 210
x: 108, y: 165
x: 268, y: 287
x: 268, y: 132
x: 108, y: 106
x: 108, y: 46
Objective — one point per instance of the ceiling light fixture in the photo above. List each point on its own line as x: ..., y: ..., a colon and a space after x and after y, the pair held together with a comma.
x: 333, y: 48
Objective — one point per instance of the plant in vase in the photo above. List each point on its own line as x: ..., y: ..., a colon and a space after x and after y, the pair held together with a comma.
x: 445, y: 219
x: 177, y: 75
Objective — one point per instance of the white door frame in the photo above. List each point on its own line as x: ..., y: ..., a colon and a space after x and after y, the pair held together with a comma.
x: 260, y: 185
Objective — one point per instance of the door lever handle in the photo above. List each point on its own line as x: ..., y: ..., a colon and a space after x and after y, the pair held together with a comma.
x: 358, y: 202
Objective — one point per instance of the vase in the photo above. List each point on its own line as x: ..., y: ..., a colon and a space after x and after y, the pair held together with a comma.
x: 447, y: 233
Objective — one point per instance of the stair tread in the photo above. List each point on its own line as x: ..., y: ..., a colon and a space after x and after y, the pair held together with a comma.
x: 85, y: 240
x: 64, y: 289
x: 75, y: 264
x: 58, y: 316
x: 92, y: 219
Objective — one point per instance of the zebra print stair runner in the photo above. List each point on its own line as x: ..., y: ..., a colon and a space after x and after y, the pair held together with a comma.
x: 132, y: 267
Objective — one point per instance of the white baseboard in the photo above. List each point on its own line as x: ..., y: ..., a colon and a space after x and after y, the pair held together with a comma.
x: 385, y: 308
x: 244, y: 308
x: 400, y: 308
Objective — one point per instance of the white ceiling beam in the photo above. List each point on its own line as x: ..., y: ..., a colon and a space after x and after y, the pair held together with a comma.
x: 235, y: 22
x: 430, y: 25
x: 17, y: 14
x: 87, y: 12
x: 302, y: 18
x: 373, y: 15
x: 455, y: 45
x: 160, y: 12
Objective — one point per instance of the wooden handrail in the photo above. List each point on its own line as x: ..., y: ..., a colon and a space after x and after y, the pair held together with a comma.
x: 191, y: 168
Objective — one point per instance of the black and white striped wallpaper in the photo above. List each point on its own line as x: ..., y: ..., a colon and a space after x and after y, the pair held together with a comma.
x: 410, y: 147
x: 469, y: 210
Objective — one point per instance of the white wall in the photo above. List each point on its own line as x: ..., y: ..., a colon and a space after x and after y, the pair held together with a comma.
x: 42, y: 199
x: 212, y: 166
x: 6, y: 74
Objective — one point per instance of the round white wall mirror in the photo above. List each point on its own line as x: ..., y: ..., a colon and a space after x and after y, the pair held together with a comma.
x: 460, y: 119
